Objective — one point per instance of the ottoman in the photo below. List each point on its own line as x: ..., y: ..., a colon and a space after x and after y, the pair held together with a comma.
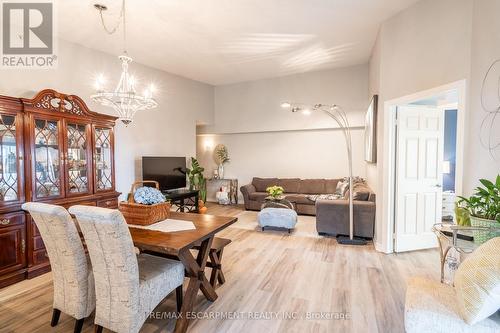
x: 277, y: 217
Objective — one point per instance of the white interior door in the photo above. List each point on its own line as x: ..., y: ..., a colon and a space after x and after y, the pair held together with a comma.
x: 419, y: 176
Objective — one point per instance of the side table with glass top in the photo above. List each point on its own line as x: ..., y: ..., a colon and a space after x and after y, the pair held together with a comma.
x: 214, y: 185
x: 461, y: 239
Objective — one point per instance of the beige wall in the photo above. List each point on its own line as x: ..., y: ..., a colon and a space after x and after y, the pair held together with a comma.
x: 485, y: 49
x: 290, y: 154
x: 168, y: 130
x: 430, y: 44
x: 267, y: 141
x: 255, y: 106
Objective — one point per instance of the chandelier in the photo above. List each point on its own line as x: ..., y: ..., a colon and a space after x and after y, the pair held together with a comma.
x: 124, y: 99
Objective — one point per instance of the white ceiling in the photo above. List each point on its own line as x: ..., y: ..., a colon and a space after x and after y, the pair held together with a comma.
x: 227, y: 41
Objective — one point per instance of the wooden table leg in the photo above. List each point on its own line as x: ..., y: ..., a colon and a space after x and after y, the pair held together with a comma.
x: 216, y: 263
x: 195, y: 269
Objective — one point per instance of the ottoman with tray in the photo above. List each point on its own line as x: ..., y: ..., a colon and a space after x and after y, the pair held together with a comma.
x: 275, y: 215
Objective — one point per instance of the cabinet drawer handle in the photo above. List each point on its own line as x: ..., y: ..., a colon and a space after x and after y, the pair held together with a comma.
x: 23, y: 246
x: 4, y: 221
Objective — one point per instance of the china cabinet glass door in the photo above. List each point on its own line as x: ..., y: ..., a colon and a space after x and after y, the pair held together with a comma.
x: 10, y: 180
x: 46, y: 158
x: 103, y: 159
x: 77, y: 159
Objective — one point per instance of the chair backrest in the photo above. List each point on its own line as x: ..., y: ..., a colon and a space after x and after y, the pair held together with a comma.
x: 114, y: 264
x: 73, y: 292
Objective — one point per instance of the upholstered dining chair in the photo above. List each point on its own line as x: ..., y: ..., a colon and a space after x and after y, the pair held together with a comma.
x: 128, y: 286
x: 74, y: 292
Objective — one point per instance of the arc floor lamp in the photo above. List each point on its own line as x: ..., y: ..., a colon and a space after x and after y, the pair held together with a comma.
x: 336, y: 113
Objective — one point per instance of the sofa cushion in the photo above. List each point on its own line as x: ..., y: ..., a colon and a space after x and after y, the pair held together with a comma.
x: 258, y: 196
x: 261, y: 184
x: 312, y: 186
x: 290, y: 185
x: 299, y: 198
x: 331, y: 185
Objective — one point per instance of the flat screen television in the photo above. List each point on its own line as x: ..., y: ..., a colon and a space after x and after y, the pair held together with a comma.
x: 170, y: 172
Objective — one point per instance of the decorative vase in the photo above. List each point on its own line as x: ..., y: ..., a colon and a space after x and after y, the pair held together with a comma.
x: 220, y: 171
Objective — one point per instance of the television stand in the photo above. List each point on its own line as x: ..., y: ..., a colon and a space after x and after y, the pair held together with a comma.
x: 186, y: 200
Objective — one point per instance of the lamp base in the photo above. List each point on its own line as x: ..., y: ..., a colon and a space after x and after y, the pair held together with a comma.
x: 345, y: 240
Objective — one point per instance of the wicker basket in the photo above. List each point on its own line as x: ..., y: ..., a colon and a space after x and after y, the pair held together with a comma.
x: 136, y: 213
x: 481, y: 236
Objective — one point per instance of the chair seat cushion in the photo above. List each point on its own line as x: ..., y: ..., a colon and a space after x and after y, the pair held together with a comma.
x: 278, y: 217
x: 432, y: 307
x: 158, y: 277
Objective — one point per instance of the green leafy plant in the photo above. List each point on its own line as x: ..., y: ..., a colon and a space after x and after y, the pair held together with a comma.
x: 485, y: 202
x: 196, y: 179
x: 462, y: 215
x: 275, y: 191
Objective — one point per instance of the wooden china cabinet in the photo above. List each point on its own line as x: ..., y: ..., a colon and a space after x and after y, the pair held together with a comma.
x: 53, y: 149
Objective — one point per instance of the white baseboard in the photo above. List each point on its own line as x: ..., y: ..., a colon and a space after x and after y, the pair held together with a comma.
x: 380, y: 248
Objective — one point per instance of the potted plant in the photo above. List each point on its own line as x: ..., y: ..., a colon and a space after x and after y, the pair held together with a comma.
x: 197, y: 181
x: 275, y: 192
x: 484, y: 208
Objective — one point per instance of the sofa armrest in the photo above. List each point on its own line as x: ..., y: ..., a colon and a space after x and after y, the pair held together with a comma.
x: 246, y: 190
x: 332, y: 217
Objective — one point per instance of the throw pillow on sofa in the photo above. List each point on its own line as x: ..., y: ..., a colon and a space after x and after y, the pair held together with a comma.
x: 361, y: 192
x: 316, y: 197
x: 477, y: 282
x: 342, y: 187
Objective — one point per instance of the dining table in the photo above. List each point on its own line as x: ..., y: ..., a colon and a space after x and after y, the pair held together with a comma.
x: 178, y: 245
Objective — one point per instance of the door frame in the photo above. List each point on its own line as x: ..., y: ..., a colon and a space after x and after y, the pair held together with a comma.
x: 385, y: 242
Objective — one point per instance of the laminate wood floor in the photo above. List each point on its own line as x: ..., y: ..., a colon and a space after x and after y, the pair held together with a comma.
x: 275, y: 282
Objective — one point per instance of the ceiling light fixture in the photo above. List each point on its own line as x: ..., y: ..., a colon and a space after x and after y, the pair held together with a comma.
x: 124, y: 99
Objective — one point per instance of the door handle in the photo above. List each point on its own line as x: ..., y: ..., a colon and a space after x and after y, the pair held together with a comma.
x: 437, y: 185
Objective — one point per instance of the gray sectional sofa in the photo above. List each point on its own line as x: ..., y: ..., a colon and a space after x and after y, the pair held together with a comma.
x: 332, y: 216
